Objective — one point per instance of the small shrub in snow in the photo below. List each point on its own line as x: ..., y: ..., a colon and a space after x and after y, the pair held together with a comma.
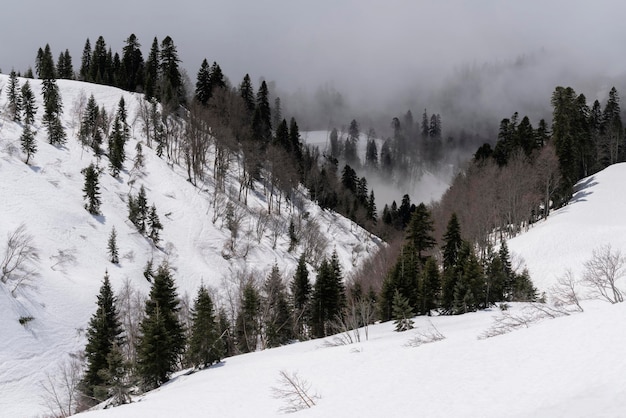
x: 295, y: 392
x: 25, y: 319
x: 430, y: 335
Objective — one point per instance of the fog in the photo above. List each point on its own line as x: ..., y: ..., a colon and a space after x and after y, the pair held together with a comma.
x: 474, y: 62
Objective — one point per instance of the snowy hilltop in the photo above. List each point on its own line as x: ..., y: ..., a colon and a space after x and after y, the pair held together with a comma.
x: 208, y: 235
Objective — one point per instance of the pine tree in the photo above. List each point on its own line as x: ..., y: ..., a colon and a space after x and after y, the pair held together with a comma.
x: 44, y: 64
x: 350, y: 150
x: 205, y: 345
x: 155, y: 225
x: 329, y: 297
x: 371, y: 154
x: 247, y: 326
x: 402, y: 312
x: 99, y: 65
x: 84, y: 73
x: 247, y: 94
x: 172, y: 93
x: 277, y: 315
x: 28, y: 104
x: 293, y: 238
x: 116, y: 148
x: 262, y: 121
x: 103, y: 333
x: 91, y: 189
x: 89, y: 132
x: 452, y: 243
x: 431, y: 286
x: 112, y: 247
x: 301, y: 296
x: 53, y: 108
x: 14, y: 98
x: 132, y: 65
x: 419, y: 231
x: 162, y: 336
x: 117, y: 376
x: 27, y: 141
x: 152, y: 71
x: 203, y: 83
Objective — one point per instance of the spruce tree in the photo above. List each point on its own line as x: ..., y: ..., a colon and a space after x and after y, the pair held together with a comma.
x: 203, y: 83
x: 89, y: 132
x: 162, y: 339
x: 172, y: 93
x: 205, y: 345
x: 112, y: 247
x: 247, y: 94
x: 155, y: 225
x: 28, y: 104
x: 419, y: 231
x: 431, y: 286
x: 132, y: 65
x: 277, y: 315
x: 402, y: 312
x: 262, y: 120
x: 85, y: 62
x: 91, y: 189
x: 151, y: 78
x: 301, y: 296
x: 247, y: 327
x: 452, y: 243
x: 103, y: 333
x: 27, y: 142
x: 329, y: 297
x: 53, y: 108
x: 14, y: 98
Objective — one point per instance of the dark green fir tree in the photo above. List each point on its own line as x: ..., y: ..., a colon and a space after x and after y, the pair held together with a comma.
x: 205, y: 345
x: 91, y: 189
x: 402, y: 312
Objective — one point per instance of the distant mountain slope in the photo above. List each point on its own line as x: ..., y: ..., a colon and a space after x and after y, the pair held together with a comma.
x: 594, y: 217
x: 46, y: 196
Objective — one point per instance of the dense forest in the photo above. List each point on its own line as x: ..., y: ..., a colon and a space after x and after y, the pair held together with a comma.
x: 445, y: 257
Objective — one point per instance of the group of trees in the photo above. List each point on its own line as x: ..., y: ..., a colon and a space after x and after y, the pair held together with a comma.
x: 266, y: 313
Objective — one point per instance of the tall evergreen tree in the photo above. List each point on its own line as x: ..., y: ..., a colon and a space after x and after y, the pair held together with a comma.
x: 28, y: 104
x: 329, y: 297
x: 402, y: 312
x: 84, y: 73
x: 301, y: 297
x: 419, y: 231
x: 247, y: 94
x: 152, y: 71
x: 65, y: 68
x: 155, y: 225
x: 205, y: 345
x: 112, y: 247
x: 14, y: 98
x: 162, y: 335
x: 53, y: 108
x: 431, y: 286
x: 103, y: 333
x: 172, y: 92
x: 277, y: 315
x: 99, y: 66
x: 262, y: 120
x: 89, y: 133
x: 91, y: 189
x: 452, y: 260
x: 350, y: 149
x: 44, y: 64
x: 247, y: 327
x: 203, y: 83
x: 132, y: 65
x: 27, y: 142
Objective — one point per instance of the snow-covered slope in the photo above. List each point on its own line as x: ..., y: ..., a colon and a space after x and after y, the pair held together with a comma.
x: 593, y: 218
x: 47, y: 197
x: 571, y: 366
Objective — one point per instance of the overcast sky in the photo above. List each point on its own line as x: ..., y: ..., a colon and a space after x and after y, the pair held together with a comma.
x: 381, y: 47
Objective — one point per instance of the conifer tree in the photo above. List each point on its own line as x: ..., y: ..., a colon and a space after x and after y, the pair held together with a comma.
x: 138, y: 162
x: 53, y: 108
x: 65, y: 69
x: 112, y: 247
x: 27, y: 141
x: 89, y: 133
x: 14, y: 98
x: 103, y: 333
x: 117, y: 376
x: 431, y: 286
x: 420, y: 230
x: 294, y: 139
x: 28, y: 104
x: 402, y: 312
x: 247, y: 94
x: 248, y: 326
x: 91, y: 189
x: 116, y: 148
x: 162, y: 339
x: 152, y: 71
x: 262, y: 120
x: 155, y: 225
x: 329, y: 296
x: 84, y: 73
x: 277, y: 315
x: 100, y: 64
x: 44, y: 64
x: 132, y: 65
x: 172, y: 92
x: 301, y: 296
x: 203, y: 83
x: 205, y: 345
x: 350, y: 150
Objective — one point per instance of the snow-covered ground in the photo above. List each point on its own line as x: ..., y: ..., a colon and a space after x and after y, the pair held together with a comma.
x: 47, y: 197
x: 571, y: 366
x: 566, y: 367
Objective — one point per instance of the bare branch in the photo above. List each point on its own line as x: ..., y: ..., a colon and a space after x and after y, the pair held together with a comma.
x: 294, y: 391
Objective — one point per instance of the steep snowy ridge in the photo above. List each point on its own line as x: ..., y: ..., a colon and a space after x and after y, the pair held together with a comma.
x: 46, y: 196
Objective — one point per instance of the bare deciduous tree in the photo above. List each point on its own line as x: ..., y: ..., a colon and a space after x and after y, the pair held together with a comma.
x: 60, y: 390
x: 130, y: 304
x: 295, y: 391
x: 17, y: 267
x: 563, y: 293
x: 602, y: 272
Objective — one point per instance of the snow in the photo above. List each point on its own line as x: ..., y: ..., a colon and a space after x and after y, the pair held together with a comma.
x: 570, y: 366
x: 47, y: 197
